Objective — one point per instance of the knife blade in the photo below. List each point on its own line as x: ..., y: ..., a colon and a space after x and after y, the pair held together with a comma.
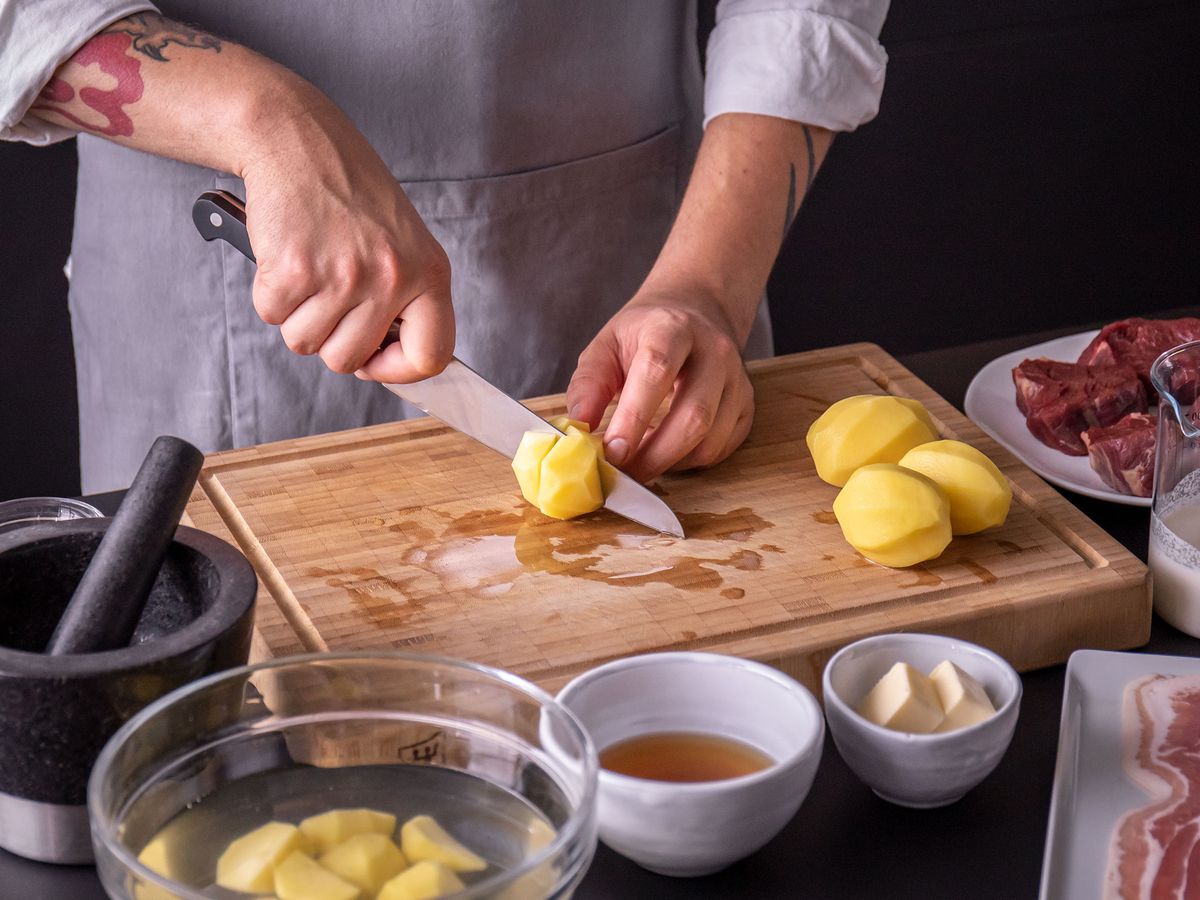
x: 458, y: 396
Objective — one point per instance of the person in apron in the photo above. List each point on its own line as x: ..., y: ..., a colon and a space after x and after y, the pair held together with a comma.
x: 538, y: 150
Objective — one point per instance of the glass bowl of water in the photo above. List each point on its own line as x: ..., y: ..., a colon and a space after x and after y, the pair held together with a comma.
x: 497, y: 762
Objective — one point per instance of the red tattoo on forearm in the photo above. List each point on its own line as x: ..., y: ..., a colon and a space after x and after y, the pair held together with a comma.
x: 107, y: 51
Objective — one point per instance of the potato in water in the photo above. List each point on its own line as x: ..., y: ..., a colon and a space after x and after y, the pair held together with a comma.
x: 342, y: 854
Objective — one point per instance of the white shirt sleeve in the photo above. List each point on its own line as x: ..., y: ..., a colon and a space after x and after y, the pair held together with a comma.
x: 812, y: 61
x: 36, y: 37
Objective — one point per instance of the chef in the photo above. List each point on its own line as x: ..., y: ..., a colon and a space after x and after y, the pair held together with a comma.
x: 549, y: 188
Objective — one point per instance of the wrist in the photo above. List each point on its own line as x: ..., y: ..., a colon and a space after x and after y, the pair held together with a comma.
x: 727, y: 305
x: 275, y: 118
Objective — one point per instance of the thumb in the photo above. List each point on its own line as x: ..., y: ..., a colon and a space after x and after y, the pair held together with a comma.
x: 597, y: 378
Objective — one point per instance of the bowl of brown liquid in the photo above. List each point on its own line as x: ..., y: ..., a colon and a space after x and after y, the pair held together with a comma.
x: 704, y: 758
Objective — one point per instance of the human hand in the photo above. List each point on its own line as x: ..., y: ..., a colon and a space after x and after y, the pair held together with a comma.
x: 673, y: 343
x: 342, y: 253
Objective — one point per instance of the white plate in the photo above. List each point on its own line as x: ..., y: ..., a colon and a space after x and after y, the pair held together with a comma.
x: 1091, y: 789
x: 991, y: 403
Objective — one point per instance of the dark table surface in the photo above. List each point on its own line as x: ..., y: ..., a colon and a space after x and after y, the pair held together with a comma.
x: 845, y: 842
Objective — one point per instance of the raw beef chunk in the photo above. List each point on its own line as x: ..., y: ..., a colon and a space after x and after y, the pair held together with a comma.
x: 1062, y: 400
x: 1123, y: 454
x: 1139, y: 342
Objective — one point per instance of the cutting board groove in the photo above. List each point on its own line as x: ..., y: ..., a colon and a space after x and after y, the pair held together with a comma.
x: 410, y: 536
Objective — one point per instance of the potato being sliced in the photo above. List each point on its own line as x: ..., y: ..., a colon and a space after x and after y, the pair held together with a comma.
x: 427, y: 880
x: 366, y: 860
x: 422, y: 838
x: 527, y: 464
x: 298, y: 877
x: 327, y: 830
x: 248, y: 863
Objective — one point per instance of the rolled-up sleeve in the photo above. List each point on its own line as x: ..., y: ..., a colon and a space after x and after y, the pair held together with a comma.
x: 813, y: 61
x: 36, y: 37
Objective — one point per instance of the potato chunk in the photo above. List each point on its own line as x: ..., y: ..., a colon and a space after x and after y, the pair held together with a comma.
x: 300, y: 878
x: 560, y: 475
x: 427, y: 880
x: 527, y: 464
x: 422, y: 838
x: 327, y: 830
x: 979, y: 494
x: 859, y: 431
x: 893, y: 516
x: 156, y: 857
x: 248, y: 863
x: 366, y: 860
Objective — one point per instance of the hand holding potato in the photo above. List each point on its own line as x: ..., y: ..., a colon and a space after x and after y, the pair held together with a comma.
x: 665, y: 343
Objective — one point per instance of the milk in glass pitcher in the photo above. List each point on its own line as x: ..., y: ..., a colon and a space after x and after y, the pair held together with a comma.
x: 1175, y: 519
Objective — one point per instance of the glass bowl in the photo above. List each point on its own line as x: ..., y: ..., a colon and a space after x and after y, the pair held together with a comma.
x: 493, y: 758
x: 32, y: 510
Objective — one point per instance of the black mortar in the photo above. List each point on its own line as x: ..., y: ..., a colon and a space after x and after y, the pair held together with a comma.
x: 57, y: 712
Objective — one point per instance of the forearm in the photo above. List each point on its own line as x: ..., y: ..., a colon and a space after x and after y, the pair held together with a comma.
x: 173, y: 90
x: 750, y: 177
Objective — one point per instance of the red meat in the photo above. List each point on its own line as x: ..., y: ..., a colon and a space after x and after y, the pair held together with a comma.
x: 1139, y: 342
x: 1062, y: 400
x: 1123, y: 454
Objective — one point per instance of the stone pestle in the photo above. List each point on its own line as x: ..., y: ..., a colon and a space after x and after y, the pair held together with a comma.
x: 106, y: 605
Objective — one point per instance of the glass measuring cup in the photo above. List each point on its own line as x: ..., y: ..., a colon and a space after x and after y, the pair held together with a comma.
x: 1175, y: 517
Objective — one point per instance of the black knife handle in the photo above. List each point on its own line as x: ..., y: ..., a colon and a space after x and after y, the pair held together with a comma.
x: 219, y: 215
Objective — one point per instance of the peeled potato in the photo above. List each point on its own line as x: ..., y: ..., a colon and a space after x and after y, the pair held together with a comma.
x: 979, y: 494
x: 156, y: 857
x: 327, y: 830
x: 366, y: 860
x: 863, y: 430
x: 560, y: 475
x: 527, y: 464
x: 893, y: 515
x: 422, y: 838
x: 427, y: 880
x: 248, y: 863
x: 298, y: 877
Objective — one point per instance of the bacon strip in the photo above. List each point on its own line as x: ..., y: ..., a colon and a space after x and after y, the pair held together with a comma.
x: 1155, y: 852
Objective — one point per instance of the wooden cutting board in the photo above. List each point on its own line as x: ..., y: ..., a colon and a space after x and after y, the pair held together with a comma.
x: 412, y: 536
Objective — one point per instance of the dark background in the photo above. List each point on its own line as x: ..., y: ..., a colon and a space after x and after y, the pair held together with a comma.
x: 1034, y: 165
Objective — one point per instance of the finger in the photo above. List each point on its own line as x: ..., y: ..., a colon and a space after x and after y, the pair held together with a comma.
x: 426, y: 343
x: 660, y: 355
x: 596, y: 381
x: 305, y: 330
x: 279, y: 291
x: 355, y: 338
x: 729, y: 433
x: 694, y: 412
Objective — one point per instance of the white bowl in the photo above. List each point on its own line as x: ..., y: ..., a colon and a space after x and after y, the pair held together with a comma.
x: 918, y: 770
x: 697, y: 828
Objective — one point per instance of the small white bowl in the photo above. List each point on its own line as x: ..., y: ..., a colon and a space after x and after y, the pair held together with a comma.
x: 696, y: 828
x: 918, y: 770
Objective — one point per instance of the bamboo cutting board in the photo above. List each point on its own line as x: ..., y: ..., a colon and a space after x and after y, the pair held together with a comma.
x: 412, y: 536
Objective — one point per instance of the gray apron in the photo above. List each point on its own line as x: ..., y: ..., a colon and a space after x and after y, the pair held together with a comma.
x: 546, y: 144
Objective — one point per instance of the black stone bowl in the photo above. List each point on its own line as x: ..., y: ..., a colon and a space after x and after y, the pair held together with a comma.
x: 57, y: 712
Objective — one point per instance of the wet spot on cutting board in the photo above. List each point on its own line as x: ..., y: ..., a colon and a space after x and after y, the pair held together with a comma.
x: 733, y: 593
x: 983, y: 574
x: 924, y: 578
x: 824, y: 517
x: 1009, y: 547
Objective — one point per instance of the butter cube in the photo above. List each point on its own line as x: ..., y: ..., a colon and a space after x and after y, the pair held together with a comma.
x: 903, y: 700
x: 300, y: 878
x: 327, y: 830
x: 248, y: 863
x: 427, y: 880
x: 963, y: 699
x: 366, y: 860
x: 422, y: 838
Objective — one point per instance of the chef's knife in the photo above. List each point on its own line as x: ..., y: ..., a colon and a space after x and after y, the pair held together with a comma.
x: 459, y: 396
